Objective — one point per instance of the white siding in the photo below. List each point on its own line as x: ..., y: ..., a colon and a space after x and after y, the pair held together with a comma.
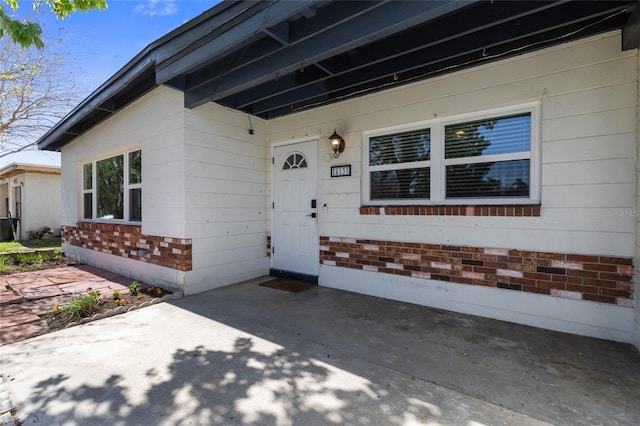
x: 155, y: 124
x: 587, y: 92
x: 588, y: 95
x: 41, y: 202
x: 226, y: 196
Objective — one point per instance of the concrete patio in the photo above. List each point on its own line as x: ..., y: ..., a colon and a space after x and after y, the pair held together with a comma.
x: 247, y: 354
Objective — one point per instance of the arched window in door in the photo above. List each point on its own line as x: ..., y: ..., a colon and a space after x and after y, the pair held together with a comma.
x: 295, y: 161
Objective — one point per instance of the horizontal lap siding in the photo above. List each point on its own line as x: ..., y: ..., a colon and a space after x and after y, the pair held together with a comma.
x: 587, y: 94
x: 226, y: 196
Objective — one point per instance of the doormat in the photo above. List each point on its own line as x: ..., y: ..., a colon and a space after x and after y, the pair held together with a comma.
x: 291, y: 286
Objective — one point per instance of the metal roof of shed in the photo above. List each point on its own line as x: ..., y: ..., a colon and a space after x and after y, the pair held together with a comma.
x: 279, y: 57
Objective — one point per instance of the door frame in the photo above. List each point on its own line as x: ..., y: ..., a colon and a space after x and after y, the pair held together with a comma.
x: 274, y: 272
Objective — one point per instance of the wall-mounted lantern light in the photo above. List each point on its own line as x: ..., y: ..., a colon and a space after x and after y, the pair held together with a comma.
x: 337, y: 144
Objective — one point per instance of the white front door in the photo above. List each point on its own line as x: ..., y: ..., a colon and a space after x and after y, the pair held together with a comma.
x: 294, y: 240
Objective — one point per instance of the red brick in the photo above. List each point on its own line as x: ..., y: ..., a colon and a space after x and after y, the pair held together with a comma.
x: 582, y: 288
x: 599, y: 298
x: 584, y: 274
x: 582, y: 258
x: 616, y: 260
x: 615, y: 277
x: 552, y: 256
x: 538, y: 290
x: 537, y: 276
x: 600, y: 267
x: 614, y: 292
x: 522, y: 281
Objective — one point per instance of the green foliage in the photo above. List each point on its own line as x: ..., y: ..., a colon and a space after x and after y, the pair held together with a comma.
x: 3, y: 264
x: 29, y: 245
x: 134, y: 288
x: 80, y: 306
x: 8, y: 262
x: 28, y: 34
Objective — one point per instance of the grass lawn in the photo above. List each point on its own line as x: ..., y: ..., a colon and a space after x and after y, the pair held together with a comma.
x: 29, y: 245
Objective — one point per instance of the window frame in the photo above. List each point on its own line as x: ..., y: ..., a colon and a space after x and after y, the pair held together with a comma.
x: 127, y: 186
x: 438, y: 163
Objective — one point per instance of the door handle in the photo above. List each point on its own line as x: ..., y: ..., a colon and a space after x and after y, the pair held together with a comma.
x: 312, y: 215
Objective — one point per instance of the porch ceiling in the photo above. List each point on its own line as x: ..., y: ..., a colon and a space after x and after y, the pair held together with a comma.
x: 298, y: 55
x: 273, y: 58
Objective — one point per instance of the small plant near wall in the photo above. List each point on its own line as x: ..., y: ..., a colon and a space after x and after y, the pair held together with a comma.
x: 134, y: 287
x: 116, y: 295
x: 80, y: 306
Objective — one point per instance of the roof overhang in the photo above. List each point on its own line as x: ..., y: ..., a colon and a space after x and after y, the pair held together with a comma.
x: 270, y: 59
x: 14, y: 169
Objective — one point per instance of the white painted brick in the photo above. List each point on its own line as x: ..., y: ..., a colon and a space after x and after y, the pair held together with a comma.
x: 567, y: 264
x: 371, y: 247
x: 509, y: 273
x: 423, y: 275
x: 329, y: 262
x: 342, y: 254
x: 472, y: 275
x: 411, y: 256
x: 623, y: 301
x: 370, y: 268
x: 440, y: 265
x: 394, y: 266
x: 497, y: 251
x: 566, y: 294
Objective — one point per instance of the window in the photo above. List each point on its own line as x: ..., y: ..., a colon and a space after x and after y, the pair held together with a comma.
x: 473, y: 159
x: 17, y: 196
x: 112, y: 188
x: 295, y: 161
x: 399, y: 165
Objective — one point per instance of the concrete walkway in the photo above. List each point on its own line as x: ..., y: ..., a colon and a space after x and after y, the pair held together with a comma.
x: 247, y: 354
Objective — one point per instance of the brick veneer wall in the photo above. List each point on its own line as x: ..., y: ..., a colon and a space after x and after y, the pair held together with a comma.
x: 448, y: 210
x: 128, y: 241
x: 606, y: 279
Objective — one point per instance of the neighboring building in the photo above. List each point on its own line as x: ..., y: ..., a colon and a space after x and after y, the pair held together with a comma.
x: 31, y: 193
x: 489, y: 163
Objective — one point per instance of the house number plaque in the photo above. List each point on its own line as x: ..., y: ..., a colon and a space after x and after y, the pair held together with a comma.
x: 338, y: 171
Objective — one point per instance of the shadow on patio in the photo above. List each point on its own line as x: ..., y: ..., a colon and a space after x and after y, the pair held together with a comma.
x: 246, y: 354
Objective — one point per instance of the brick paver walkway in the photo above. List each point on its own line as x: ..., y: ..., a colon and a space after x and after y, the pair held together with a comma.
x: 25, y: 296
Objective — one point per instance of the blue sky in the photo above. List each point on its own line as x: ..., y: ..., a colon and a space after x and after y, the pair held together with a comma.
x: 97, y: 44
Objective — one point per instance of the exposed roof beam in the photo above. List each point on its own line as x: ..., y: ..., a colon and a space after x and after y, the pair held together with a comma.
x: 487, y: 16
x: 272, y: 14
x: 631, y: 30
x: 338, y: 14
x: 370, y: 26
x: 279, y: 32
x: 368, y: 83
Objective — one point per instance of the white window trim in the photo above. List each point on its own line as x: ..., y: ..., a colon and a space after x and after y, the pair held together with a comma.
x: 94, y: 191
x: 438, y: 163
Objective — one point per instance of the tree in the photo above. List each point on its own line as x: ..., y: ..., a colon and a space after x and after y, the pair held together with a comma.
x: 28, y: 33
x: 35, y: 93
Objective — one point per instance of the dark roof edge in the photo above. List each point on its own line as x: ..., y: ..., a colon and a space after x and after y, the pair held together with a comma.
x: 136, y: 66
